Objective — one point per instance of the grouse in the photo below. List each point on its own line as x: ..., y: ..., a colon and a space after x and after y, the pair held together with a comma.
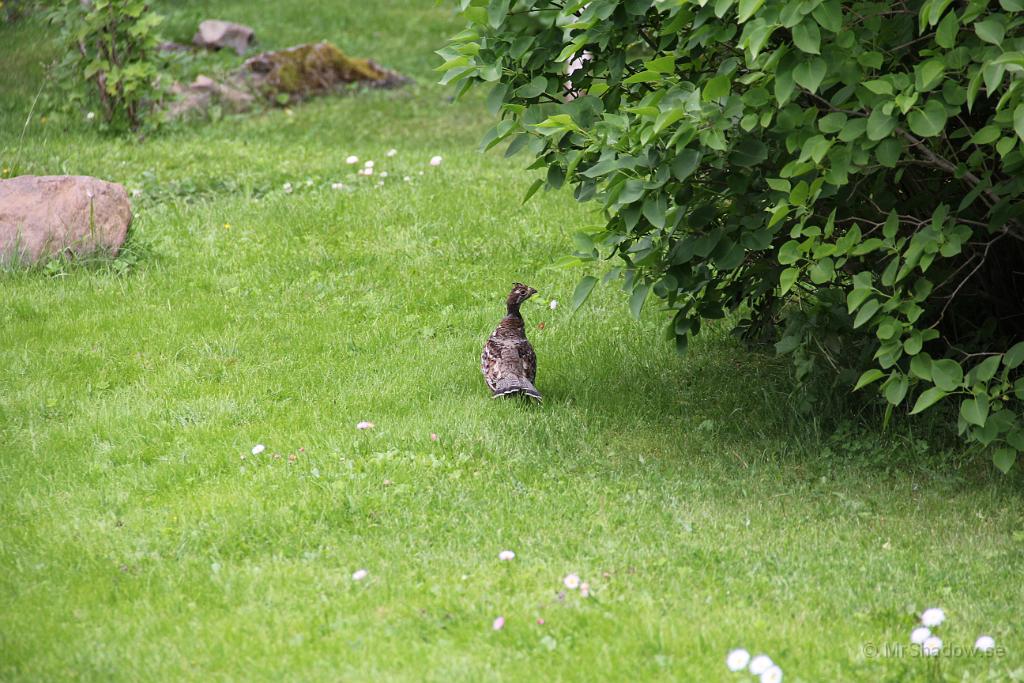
x: 508, y: 362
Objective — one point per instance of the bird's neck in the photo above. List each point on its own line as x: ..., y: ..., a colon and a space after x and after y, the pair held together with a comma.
x: 513, y: 310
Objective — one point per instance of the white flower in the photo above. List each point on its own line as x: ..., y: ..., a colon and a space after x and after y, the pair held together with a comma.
x: 933, y: 617
x: 920, y: 634
x: 585, y: 589
x: 368, y: 164
x: 309, y: 182
x: 772, y: 675
x: 392, y: 152
x: 364, y: 425
x: 337, y: 186
x: 287, y: 188
x: 435, y: 161
x: 572, y: 582
x: 553, y: 305
x: 760, y: 664
x: 366, y: 171
x: 506, y: 555
x: 353, y: 159
x: 90, y: 116
x: 984, y: 643
x: 359, y: 574
x: 383, y: 174
x: 407, y: 178
x: 258, y: 448
x: 737, y: 659
x: 498, y: 624
x: 932, y: 646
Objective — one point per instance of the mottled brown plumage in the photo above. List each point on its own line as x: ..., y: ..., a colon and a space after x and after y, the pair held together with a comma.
x: 508, y: 362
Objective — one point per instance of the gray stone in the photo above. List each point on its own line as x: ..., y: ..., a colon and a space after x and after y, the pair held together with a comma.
x: 215, y: 34
x: 43, y: 216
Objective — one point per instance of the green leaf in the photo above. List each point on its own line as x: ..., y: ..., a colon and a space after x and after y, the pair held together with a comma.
x: 986, y: 136
x: 927, y: 122
x: 537, y: 184
x: 947, y: 374
x: 945, y: 35
x: 928, y: 74
x: 986, y: 369
x: 1018, y: 120
x: 880, y: 124
x: 787, y: 279
x: 716, y: 88
x: 869, y: 376
x: 661, y: 65
x: 637, y: 299
x: 747, y: 8
x: 878, y: 86
x: 533, y: 88
x: 807, y: 37
x: 855, y: 297
x: 829, y: 15
x: 975, y: 410
x: 1003, y: 458
x: 927, y: 399
x: 1015, y: 356
x: 583, y: 289
x: 867, y: 311
x: 643, y: 77
x: 496, y: 12
x: 991, y: 31
x: 810, y: 72
x: 749, y: 152
x: 896, y: 390
x: 685, y: 164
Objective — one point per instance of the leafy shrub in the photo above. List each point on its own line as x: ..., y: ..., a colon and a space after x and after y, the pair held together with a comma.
x: 847, y: 177
x: 110, y: 55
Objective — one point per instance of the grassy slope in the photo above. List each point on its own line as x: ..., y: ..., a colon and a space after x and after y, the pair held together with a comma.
x: 137, y: 544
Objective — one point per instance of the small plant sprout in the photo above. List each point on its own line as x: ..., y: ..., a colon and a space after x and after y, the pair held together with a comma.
x: 737, y: 659
x: 506, y: 556
x: 984, y: 643
x: 760, y: 664
x: 920, y: 634
x: 359, y: 574
x: 435, y: 160
x: 352, y: 159
x: 932, y: 617
x: 572, y: 582
x: 932, y: 646
x: 258, y: 448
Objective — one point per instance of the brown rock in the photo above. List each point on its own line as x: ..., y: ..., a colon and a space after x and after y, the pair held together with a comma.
x: 197, y: 97
x: 312, y: 69
x: 43, y: 216
x: 215, y: 34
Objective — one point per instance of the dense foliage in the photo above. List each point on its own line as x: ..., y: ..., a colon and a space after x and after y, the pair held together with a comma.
x: 110, y: 56
x: 846, y: 176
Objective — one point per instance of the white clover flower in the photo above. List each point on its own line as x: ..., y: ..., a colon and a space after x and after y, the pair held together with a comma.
x: 572, y: 582
x: 772, y: 675
x: 258, y: 448
x: 737, y: 659
x: 585, y: 589
x: 498, y: 624
x: 287, y: 187
x: 933, y: 617
x: 392, y: 152
x: 407, y: 178
x: 364, y: 425
x: 984, y: 643
x: 553, y: 305
x: 435, y: 161
x: 359, y: 574
x: 337, y: 186
x: 506, y: 555
x: 90, y: 116
x: 352, y: 159
x: 760, y: 664
x: 920, y: 634
x: 309, y: 182
x: 931, y: 646
x: 368, y: 164
x: 383, y: 174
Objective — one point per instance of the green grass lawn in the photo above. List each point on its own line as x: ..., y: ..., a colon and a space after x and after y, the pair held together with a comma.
x: 141, y: 540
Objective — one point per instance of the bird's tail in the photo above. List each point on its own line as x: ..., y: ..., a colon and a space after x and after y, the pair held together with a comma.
x: 508, y: 386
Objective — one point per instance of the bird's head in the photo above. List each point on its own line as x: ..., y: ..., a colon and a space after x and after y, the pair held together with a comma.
x: 518, y: 295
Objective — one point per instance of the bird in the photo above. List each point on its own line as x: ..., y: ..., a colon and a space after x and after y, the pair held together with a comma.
x: 508, y: 362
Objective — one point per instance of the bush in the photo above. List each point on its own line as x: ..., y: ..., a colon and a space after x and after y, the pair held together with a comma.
x: 846, y: 177
x: 110, y: 57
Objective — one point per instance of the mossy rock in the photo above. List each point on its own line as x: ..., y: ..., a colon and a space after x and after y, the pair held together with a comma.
x: 312, y: 69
